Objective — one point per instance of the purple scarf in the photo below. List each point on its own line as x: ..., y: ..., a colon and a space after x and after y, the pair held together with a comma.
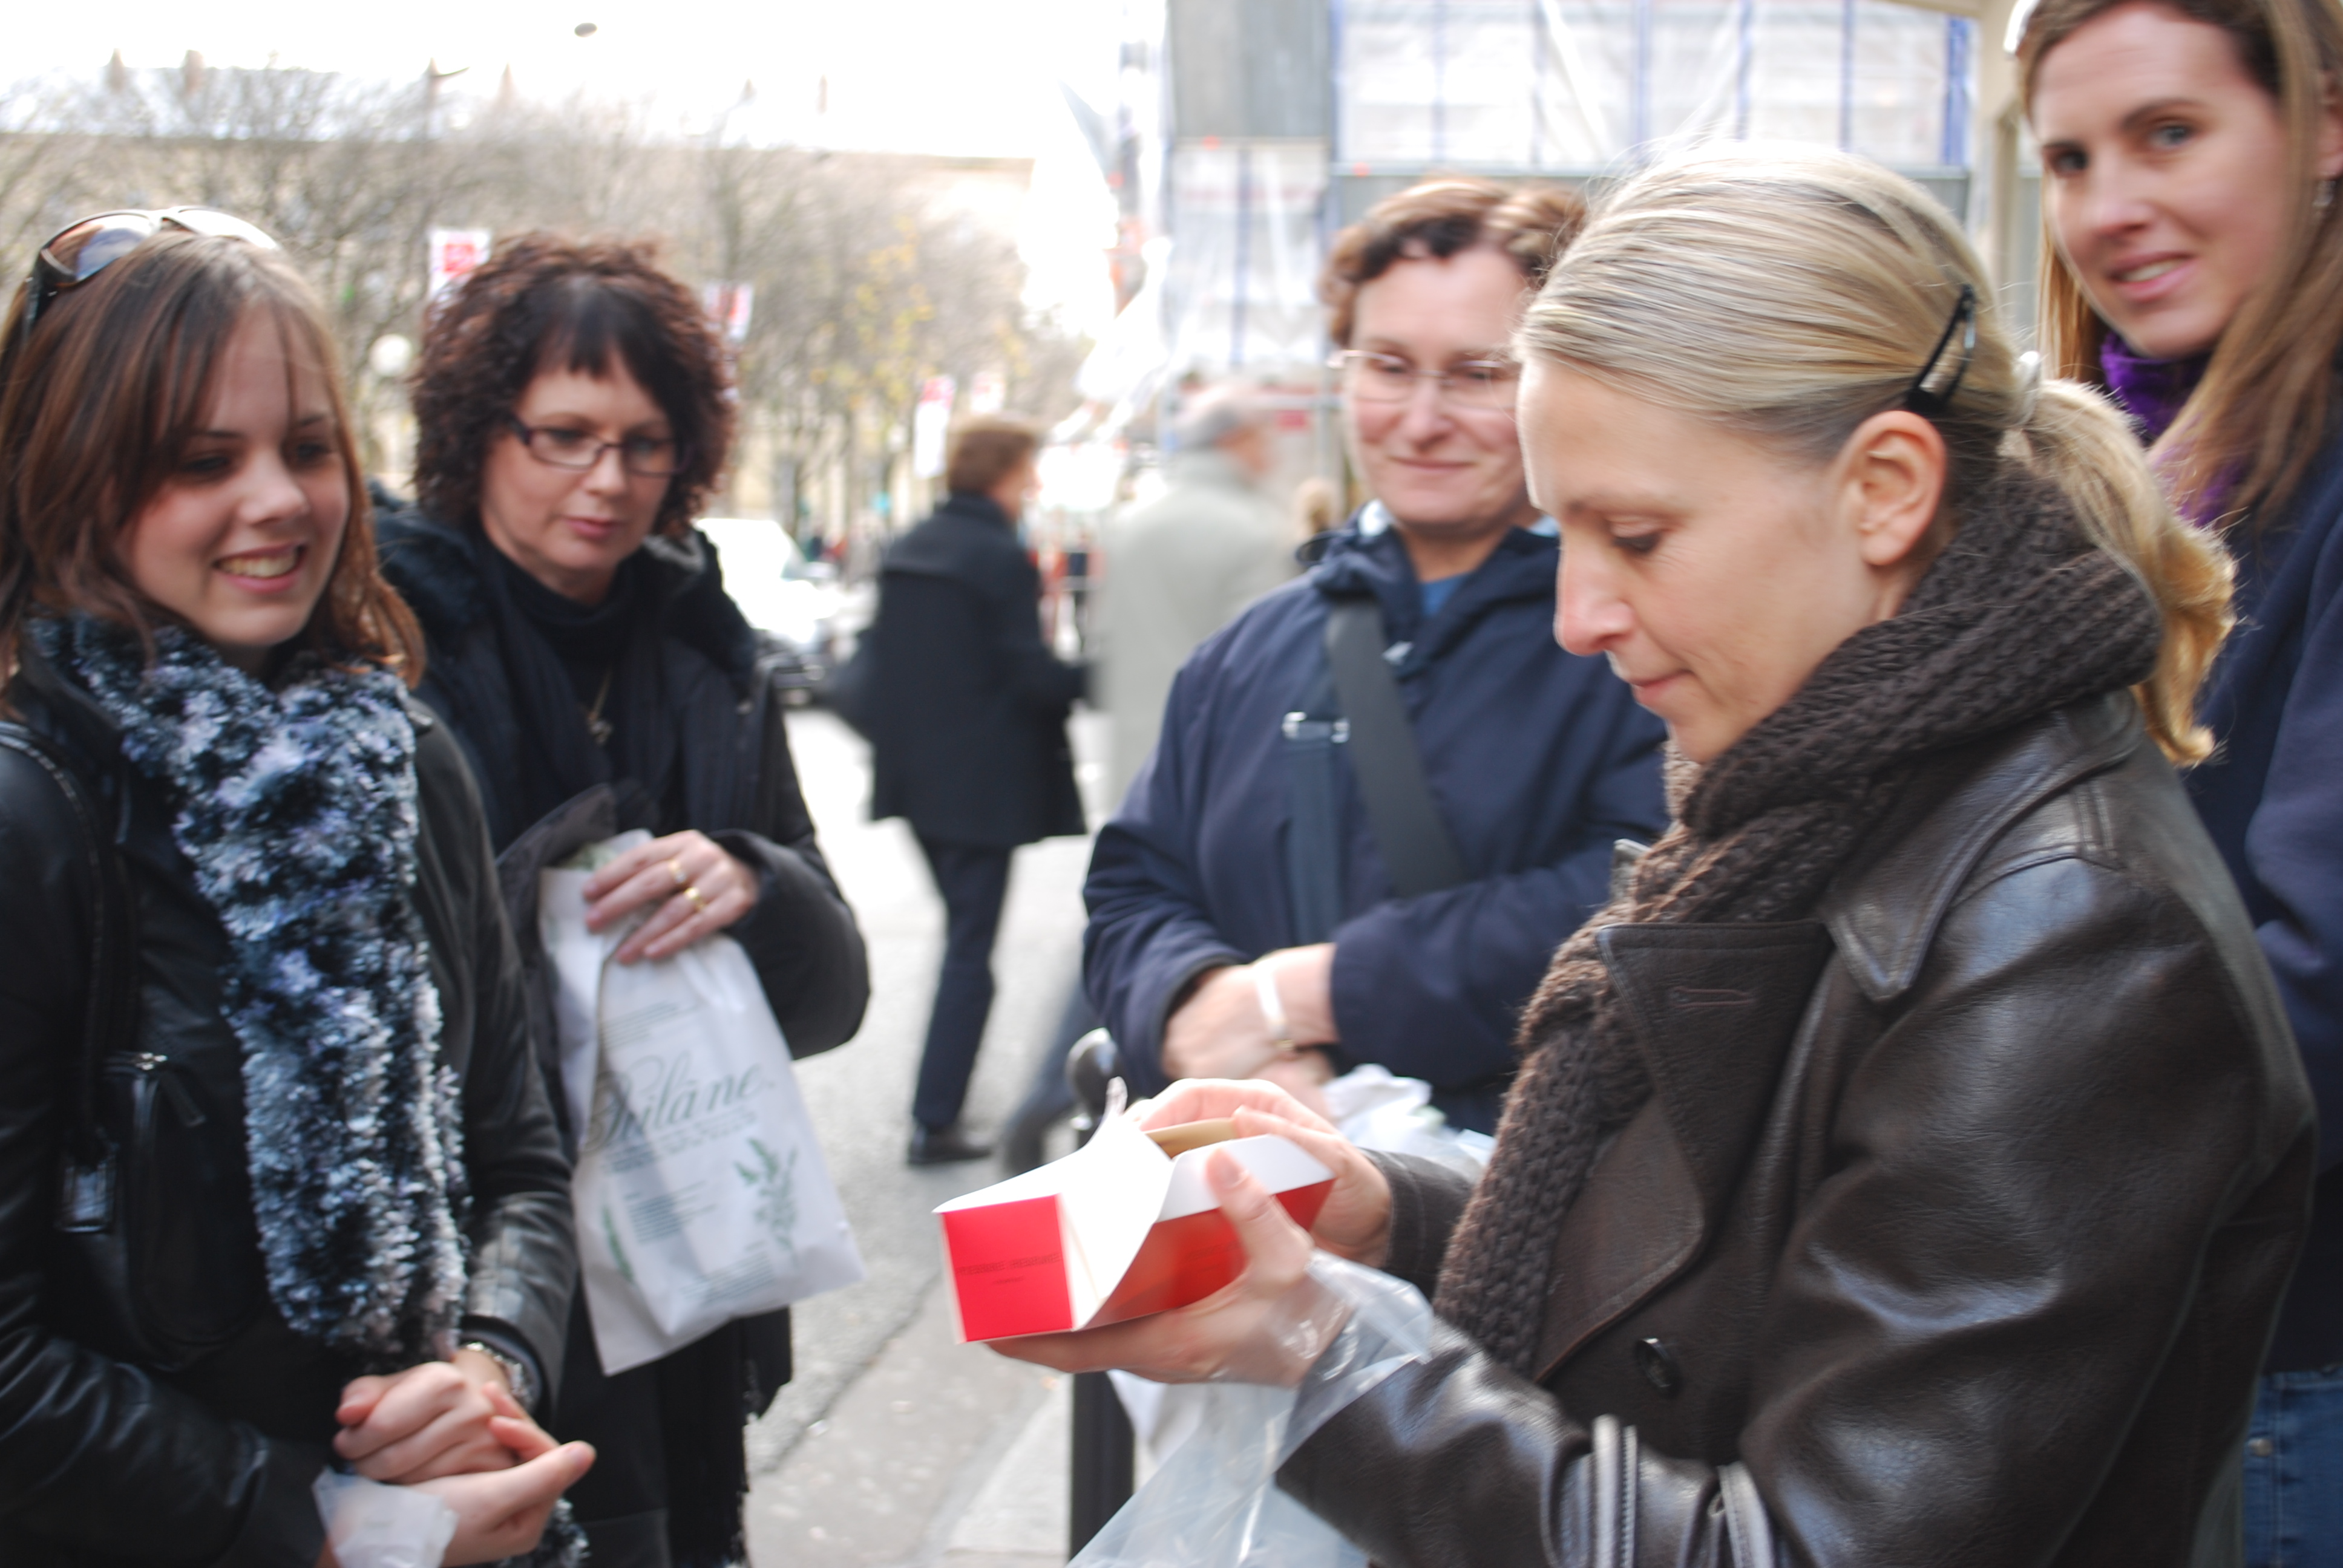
x: 2153, y: 392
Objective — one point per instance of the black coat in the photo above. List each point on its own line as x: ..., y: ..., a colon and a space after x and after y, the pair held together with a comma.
x: 965, y: 707
x: 1952, y: 1233
x: 726, y: 772
x: 105, y: 1462
x: 736, y: 781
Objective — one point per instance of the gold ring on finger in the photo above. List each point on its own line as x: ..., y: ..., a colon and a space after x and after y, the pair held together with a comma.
x: 691, y: 891
x: 675, y: 870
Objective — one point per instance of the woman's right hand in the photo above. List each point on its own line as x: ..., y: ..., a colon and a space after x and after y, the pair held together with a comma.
x: 1355, y: 1222
x: 500, y: 1513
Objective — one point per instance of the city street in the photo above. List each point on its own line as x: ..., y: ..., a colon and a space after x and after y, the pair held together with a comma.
x: 893, y: 1445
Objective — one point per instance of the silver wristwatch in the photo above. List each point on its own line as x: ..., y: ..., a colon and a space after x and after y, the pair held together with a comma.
x: 517, y: 1376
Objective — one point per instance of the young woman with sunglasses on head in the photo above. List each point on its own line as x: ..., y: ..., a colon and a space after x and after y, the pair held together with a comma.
x: 279, y: 1182
x: 1908, y: 1164
x: 2190, y: 152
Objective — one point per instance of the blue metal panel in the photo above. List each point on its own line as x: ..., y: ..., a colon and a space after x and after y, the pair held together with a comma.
x: 1960, y: 33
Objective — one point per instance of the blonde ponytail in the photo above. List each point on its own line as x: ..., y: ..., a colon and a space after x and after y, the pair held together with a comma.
x: 2078, y: 441
x: 1792, y: 294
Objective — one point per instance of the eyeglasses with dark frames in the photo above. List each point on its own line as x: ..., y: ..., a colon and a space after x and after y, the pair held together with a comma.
x: 564, y: 446
x: 1372, y: 378
x: 83, y: 250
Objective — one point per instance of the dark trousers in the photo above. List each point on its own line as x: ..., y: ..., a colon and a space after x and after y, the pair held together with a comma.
x: 669, y: 1470
x: 973, y: 879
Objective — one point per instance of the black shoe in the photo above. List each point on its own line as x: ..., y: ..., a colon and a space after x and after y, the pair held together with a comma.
x: 944, y: 1146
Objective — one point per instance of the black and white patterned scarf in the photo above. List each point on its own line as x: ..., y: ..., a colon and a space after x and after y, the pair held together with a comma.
x: 295, y: 806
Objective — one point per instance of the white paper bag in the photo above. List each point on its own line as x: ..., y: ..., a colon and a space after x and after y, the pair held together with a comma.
x: 700, y: 1192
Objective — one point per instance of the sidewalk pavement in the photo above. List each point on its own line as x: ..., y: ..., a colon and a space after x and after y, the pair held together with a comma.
x: 939, y: 1455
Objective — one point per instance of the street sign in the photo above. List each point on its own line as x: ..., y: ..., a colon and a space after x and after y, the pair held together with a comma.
x: 454, y: 253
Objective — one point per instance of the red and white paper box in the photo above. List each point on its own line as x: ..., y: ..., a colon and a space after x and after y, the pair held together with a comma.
x: 1124, y: 1226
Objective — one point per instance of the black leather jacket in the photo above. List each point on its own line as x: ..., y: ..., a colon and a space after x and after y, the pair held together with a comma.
x: 1953, y: 1232
x: 103, y: 1461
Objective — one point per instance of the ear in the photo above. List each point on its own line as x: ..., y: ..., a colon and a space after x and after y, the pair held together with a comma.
x: 1892, y: 479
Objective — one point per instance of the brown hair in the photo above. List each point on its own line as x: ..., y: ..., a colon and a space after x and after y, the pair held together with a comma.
x: 545, y: 301
x: 2266, y: 404
x: 97, y: 405
x: 1530, y: 223
x: 986, y: 450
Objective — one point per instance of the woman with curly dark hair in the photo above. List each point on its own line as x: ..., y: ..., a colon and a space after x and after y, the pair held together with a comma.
x: 574, y: 411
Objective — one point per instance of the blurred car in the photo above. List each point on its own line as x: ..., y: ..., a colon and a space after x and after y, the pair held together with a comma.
x: 795, y: 604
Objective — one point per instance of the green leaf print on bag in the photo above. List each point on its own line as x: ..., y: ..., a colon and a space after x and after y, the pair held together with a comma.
x: 777, y: 1192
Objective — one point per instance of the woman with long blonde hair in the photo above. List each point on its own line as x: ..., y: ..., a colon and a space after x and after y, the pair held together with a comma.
x: 2190, y: 152
x: 1908, y: 1164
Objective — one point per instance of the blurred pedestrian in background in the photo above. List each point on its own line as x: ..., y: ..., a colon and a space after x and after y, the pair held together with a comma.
x: 573, y: 413
x: 2190, y: 155
x: 1180, y: 568
x: 1248, y: 912
x: 312, y: 1202
x: 966, y: 708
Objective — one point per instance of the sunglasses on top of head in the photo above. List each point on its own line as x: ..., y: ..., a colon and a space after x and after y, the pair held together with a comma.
x: 88, y: 247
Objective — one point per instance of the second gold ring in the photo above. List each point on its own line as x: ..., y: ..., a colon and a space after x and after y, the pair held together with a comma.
x: 691, y: 891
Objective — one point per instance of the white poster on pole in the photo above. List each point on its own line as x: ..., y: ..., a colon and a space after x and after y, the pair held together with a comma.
x: 930, y: 423
x: 454, y: 253
x: 728, y: 305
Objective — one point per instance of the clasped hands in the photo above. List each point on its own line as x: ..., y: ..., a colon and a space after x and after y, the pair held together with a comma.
x: 454, y: 1429
x: 1271, y: 1322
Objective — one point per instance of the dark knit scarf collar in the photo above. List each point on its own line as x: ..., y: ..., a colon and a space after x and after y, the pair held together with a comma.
x: 2018, y: 618
x: 295, y: 807
x: 538, y: 632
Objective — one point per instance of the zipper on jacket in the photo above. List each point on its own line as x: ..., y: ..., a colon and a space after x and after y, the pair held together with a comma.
x: 150, y: 1070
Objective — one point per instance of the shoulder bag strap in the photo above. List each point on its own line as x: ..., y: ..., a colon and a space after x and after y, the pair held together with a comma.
x: 110, y: 1024
x: 1416, y: 845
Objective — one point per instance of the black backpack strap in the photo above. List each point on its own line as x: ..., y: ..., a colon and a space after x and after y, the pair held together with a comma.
x: 1417, y: 847
x: 110, y: 1025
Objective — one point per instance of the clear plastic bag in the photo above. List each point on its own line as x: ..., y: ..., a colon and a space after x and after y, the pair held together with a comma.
x: 1214, y: 1503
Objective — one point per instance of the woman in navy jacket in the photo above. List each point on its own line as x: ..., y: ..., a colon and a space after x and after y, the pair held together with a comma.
x: 2190, y: 169
x: 1242, y: 911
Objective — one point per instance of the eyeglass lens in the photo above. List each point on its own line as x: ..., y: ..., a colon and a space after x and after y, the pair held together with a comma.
x: 1474, y: 383
x: 649, y: 456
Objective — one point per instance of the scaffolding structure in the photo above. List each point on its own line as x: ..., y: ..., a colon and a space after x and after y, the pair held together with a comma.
x: 1278, y: 121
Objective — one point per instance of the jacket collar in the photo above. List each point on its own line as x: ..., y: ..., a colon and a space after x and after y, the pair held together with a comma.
x: 439, y: 570
x: 1885, y: 906
x: 968, y: 505
x: 1353, y: 562
x: 1716, y: 1009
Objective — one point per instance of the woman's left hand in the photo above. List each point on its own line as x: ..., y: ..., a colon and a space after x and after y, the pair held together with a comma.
x: 1268, y: 1325
x: 698, y: 887
x: 438, y: 1419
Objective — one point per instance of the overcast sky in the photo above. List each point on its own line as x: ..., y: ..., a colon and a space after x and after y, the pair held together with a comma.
x: 976, y: 77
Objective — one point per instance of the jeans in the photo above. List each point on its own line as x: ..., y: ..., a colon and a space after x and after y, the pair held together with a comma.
x: 2294, y: 1472
x: 974, y: 881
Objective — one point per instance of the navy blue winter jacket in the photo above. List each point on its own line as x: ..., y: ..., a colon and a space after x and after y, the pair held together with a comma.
x: 1540, y: 760
x: 2272, y: 798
